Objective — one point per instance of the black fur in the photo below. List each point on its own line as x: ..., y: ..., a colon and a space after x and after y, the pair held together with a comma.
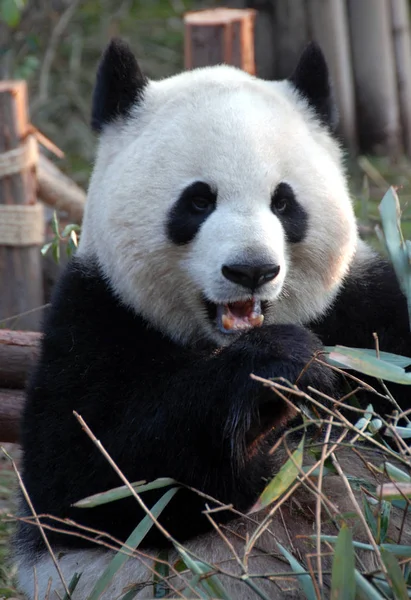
x: 371, y: 302
x: 159, y: 409
x: 312, y: 81
x: 119, y: 85
x: 185, y: 217
x: 292, y: 215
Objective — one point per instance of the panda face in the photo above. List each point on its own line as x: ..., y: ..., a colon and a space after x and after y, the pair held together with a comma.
x: 218, y: 203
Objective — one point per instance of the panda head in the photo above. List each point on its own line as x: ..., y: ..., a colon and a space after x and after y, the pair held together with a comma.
x: 218, y: 201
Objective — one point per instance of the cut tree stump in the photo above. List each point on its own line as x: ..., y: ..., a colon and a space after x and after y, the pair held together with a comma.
x: 21, y: 282
x: 220, y: 35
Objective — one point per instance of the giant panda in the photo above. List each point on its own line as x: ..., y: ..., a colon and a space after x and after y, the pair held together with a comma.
x: 219, y: 240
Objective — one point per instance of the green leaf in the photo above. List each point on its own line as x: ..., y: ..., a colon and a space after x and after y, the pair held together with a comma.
x: 383, y: 521
x: 55, y: 224
x: 397, y: 250
x: 394, y: 359
x: 211, y: 585
x: 46, y: 248
x: 394, y: 571
x: 365, y: 590
x: 10, y: 13
x: 304, y: 580
x: 402, y: 432
x: 72, y: 585
x: 132, y: 541
x: 123, y: 492
x: 69, y: 229
x: 397, y: 549
x: 343, y: 584
x: 282, y: 481
x: 162, y: 571
x: 55, y: 250
x: 132, y: 593
x: 394, y: 491
x: 362, y: 361
x: 369, y: 516
x: 394, y: 472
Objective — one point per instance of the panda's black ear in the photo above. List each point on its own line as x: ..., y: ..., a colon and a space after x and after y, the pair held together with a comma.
x: 312, y: 80
x: 119, y: 84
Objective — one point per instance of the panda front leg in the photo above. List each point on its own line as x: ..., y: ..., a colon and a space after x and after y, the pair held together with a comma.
x: 211, y: 429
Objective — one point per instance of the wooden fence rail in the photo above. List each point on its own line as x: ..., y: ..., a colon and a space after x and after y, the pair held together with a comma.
x: 19, y: 351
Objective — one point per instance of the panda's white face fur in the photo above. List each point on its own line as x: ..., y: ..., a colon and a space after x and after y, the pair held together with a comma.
x: 212, y: 169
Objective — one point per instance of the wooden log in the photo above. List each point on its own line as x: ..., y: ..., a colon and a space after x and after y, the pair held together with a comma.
x: 20, y: 265
x: 264, y: 42
x: 18, y: 352
x: 57, y: 190
x: 11, y: 407
x: 375, y: 77
x: 220, y: 35
x: 402, y: 49
x: 329, y: 25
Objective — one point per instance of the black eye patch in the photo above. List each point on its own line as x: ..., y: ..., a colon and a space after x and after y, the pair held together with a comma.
x: 194, y: 206
x: 292, y: 215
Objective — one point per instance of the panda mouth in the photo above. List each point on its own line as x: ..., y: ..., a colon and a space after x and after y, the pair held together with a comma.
x: 235, y: 317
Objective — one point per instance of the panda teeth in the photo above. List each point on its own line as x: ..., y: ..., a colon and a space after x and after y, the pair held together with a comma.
x: 239, y: 316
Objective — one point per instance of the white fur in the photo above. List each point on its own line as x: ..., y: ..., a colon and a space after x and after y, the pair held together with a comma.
x: 243, y: 136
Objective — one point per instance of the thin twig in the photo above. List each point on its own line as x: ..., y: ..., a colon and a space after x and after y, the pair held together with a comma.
x: 40, y: 526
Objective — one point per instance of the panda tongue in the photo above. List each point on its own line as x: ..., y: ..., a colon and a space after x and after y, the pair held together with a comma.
x: 240, y: 315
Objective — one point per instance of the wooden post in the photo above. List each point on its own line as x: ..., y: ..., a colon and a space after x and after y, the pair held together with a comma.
x: 220, y: 35
x: 402, y: 48
x: 291, y: 34
x: 375, y: 77
x: 329, y: 25
x: 21, y: 285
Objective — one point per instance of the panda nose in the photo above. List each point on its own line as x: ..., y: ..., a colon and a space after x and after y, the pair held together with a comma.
x: 249, y: 276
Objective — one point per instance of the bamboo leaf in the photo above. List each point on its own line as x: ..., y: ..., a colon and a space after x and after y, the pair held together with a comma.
x: 359, y: 360
x: 365, y: 590
x: 211, y: 585
x: 304, y: 580
x: 393, y: 359
x: 132, y: 541
x: 394, y: 472
x: 282, y: 481
x: 343, y: 584
x: 123, y: 492
x: 55, y: 224
x: 398, y: 250
x: 72, y: 585
x: 394, y: 491
x: 162, y: 571
x: 397, y: 549
x: 45, y: 248
x: 394, y: 571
